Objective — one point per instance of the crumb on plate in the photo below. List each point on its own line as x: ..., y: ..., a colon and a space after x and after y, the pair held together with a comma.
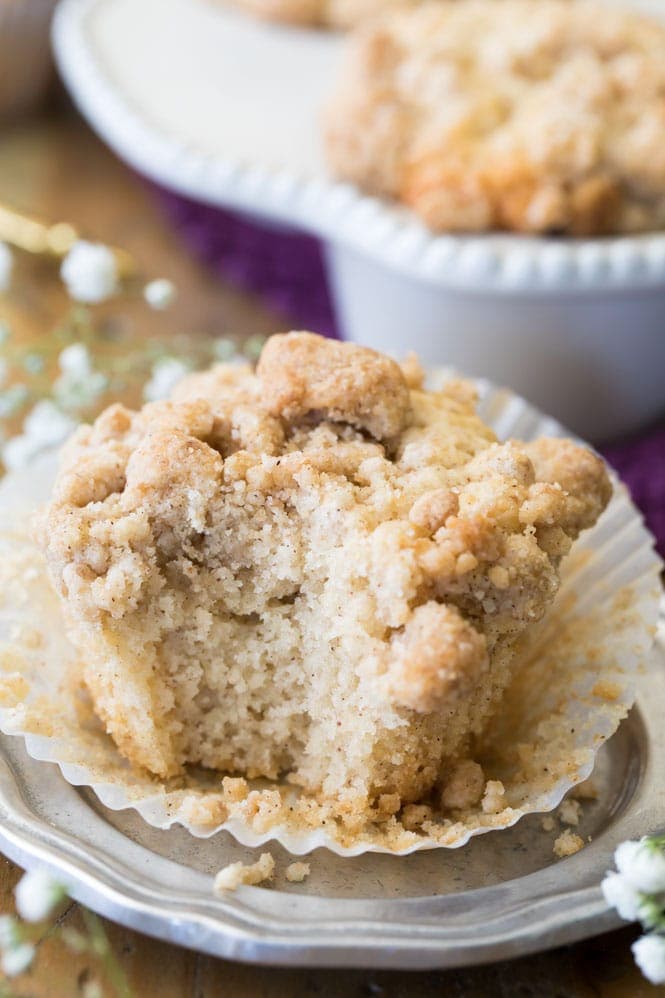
x: 567, y: 844
x: 236, y: 874
x: 569, y: 812
x: 297, y: 872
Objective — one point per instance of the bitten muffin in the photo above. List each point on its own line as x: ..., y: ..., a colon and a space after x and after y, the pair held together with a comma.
x: 315, y: 571
x: 539, y: 116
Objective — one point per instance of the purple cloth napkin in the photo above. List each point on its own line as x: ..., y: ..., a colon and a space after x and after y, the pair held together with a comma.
x: 640, y: 461
x: 286, y: 270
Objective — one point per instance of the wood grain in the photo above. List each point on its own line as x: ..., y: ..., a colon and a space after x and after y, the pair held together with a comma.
x: 54, y: 167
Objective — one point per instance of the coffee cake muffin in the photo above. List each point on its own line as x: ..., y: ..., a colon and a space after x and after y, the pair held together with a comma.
x: 315, y: 571
x: 539, y: 116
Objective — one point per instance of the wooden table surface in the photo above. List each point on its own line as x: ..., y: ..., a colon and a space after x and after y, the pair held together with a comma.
x: 53, y: 166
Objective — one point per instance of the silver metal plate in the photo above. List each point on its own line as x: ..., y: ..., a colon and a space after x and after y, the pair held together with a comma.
x: 502, y: 895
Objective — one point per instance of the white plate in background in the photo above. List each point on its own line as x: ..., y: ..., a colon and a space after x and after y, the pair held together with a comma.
x: 226, y: 109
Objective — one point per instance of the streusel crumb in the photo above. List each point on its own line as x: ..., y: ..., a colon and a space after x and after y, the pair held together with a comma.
x: 297, y: 872
x: 567, y: 844
x: 531, y: 115
x: 569, y: 812
x: 310, y: 572
x: 237, y: 874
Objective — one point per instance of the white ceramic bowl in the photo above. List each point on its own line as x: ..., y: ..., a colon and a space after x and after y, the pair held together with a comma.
x: 223, y: 108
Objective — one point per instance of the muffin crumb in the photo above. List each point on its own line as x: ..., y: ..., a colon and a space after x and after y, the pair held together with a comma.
x: 203, y: 810
x: 297, y: 872
x: 567, y: 844
x: 465, y: 786
x: 569, y: 812
x: 494, y: 799
x: 234, y: 875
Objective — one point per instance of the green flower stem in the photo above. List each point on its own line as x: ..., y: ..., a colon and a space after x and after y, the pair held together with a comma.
x: 652, y: 913
x: 100, y: 945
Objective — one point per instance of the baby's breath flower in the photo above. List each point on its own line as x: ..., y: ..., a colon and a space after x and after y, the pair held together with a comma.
x: 78, y: 386
x: 253, y: 346
x: 12, y: 399
x: 45, y: 426
x: 15, y: 961
x: 47, y: 423
x: 165, y: 375
x: 649, y: 953
x: 160, y: 293
x: 642, y: 864
x: 75, y: 360
x: 224, y: 350
x: 620, y: 894
x: 37, y: 894
x: 33, y: 363
x: 6, y: 264
x: 10, y: 932
x: 90, y: 272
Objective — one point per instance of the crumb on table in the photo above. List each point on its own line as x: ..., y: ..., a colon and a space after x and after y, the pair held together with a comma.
x: 235, y: 874
x: 567, y: 844
x: 297, y: 872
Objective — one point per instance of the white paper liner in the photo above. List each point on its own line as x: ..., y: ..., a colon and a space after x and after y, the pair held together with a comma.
x: 575, y: 683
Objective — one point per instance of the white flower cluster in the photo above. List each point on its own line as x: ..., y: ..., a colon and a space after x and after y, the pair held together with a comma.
x: 637, y: 892
x: 48, y: 423
x: 78, y: 385
x: 165, y: 375
x: 159, y: 294
x: 90, y: 272
x: 45, y: 426
x: 37, y: 894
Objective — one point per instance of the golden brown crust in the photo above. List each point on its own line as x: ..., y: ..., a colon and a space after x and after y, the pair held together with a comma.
x: 530, y: 115
x: 311, y: 570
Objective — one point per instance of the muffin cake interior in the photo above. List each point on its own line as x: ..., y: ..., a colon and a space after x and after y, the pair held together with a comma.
x: 314, y: 571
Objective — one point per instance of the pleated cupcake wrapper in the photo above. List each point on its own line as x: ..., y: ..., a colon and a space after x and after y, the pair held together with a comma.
x: 577, y: 677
